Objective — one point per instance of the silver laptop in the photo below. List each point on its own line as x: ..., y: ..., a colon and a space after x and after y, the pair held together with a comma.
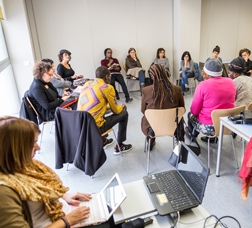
x: 103, y: 204
x: 180, y: 189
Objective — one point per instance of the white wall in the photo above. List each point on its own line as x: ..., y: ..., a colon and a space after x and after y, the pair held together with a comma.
x: 16, y: 29
x: 187, y: 15
x: 225, y: 23
x: 87, y: 27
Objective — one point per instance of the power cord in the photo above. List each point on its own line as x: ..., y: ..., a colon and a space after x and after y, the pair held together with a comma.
x: 176, y: 219
x: 226, y: 216
x: 218, y: 220
x: 214, y: 225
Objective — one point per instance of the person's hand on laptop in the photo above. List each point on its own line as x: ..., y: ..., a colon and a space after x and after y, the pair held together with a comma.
x: 75, y: 198
x: 77, y: 215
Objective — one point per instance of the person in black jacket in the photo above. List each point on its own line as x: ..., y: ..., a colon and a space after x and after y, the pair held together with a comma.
x: 43, y: 95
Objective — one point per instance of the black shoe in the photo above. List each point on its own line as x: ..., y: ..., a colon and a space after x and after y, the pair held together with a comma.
x: 212, y: 140
x: 186, y: 90
x: 107, y: 143
x: 124, y: 148
x: 129, y: 99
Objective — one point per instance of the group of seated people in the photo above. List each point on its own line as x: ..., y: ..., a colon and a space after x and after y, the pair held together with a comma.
x: 33, y: 190
x: 46, y: 98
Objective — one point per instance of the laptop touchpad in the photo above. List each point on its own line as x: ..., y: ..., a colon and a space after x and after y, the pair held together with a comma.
x: 153, y: 187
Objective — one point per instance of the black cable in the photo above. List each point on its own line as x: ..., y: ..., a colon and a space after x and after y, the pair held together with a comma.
x: 175, y: 221
x: 209, y: 218
x: 227, y: 216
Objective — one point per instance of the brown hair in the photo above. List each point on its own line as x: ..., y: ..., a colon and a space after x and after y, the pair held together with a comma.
x: 40, y: 68
x: 216, y: 49
x: 162, y: 85
x: 186, y: 53
x: 131, y: 49
x: 17, y: 138
x: 159, y: 50
x: 60, y: 56
x: 244, y: 50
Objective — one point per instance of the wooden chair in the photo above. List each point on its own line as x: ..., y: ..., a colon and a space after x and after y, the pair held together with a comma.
x: 216, y: 114
x: 250, y: 106
x: 163, y: 123
x: 43, y: 123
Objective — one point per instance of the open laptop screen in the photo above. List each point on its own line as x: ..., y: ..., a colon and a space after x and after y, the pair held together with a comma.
x: 193, y: 171
x: 113, y: 194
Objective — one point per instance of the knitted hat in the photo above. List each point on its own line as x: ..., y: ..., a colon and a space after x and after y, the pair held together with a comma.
x: 237, y: 65
x: 64, y: 51
x: 213, y: 67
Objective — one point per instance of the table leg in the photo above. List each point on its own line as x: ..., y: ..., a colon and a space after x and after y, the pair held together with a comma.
x: 219, y: 150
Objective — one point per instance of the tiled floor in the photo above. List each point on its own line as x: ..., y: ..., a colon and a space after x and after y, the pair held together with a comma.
x: 222, y: 196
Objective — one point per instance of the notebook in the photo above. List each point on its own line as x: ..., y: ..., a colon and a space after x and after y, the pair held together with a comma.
x: 180, y: 189
x: 103, y: 204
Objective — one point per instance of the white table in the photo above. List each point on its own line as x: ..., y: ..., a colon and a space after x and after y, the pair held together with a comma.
x: 138, y: 204
x: 243, y: 130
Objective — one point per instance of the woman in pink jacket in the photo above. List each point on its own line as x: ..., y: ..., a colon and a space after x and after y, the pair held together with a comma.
x: 216, y: 92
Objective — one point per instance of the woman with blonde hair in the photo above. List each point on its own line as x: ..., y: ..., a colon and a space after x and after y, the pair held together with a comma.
x: 30, y: 191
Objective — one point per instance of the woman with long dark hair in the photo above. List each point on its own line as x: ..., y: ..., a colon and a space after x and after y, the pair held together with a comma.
x: 162, y: 94
x: 186, y: 70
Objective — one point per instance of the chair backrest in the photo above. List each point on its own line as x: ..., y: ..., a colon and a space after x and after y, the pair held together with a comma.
x: 163, y: 121
x: 216, y: 114
x: 250, y: 106
x: 124, y: 66
x: 27, y: 98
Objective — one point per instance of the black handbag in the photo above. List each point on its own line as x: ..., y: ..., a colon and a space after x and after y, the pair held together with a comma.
x: 196, y: 149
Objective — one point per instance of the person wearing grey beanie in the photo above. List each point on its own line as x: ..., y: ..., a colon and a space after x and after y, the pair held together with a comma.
x: 215, y: 93
x: 242, y: 82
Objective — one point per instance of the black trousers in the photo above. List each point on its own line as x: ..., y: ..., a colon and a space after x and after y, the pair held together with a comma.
x: 112, y: 120
x: 119, y: 78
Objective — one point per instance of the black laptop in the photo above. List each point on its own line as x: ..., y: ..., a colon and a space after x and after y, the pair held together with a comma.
x: 180, y: 189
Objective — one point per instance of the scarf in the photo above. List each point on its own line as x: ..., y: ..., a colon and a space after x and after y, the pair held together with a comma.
x: 38, y: 185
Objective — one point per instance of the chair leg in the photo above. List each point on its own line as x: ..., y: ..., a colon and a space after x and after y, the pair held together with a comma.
x: 232, y: 140
x: 148, y: 156
x: 41, y: 135
x: 208, y: 152
x: 67, y: 166
x: 145, y: 144
x: 117, y: 143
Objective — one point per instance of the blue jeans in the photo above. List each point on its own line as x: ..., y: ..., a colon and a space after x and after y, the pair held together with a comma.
x: 141, y: 77
x: 185, y: 76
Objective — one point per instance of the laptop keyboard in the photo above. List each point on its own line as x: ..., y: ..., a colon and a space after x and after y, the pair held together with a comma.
x: 94, y: 210
x: 196, y: 181
x: 173, y: 191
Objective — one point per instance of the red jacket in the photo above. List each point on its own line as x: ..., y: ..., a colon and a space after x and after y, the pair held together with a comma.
x: 246, y: 170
